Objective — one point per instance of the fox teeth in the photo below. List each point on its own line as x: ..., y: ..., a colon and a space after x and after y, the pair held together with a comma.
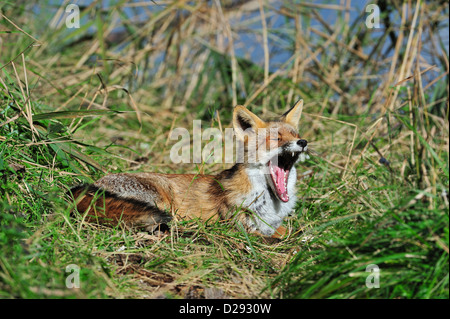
x: 307, y: 156
x: 302, y: 157
x: 292, y: 154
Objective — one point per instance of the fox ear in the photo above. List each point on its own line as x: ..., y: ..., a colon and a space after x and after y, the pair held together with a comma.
x: 245, y: 121
x: 293, y: 116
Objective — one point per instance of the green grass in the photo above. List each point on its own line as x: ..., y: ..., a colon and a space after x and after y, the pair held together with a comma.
x: 375, y: 191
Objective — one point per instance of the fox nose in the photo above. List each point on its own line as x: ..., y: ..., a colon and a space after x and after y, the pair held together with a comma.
x: 302, y: 143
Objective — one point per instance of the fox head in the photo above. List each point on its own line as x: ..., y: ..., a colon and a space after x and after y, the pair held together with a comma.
x: 272, y: 146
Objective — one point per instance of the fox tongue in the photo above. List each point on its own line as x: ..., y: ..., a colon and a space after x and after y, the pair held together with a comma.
x: 280, y: 180
x: 279, y: 177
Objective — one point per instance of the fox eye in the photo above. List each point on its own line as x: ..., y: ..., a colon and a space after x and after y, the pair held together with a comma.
x: 276, y: 139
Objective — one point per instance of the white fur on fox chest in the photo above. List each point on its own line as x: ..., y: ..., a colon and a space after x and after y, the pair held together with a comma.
x: 269, y: 209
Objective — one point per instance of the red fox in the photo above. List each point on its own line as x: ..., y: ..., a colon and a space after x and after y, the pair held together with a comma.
x: 258, y: 193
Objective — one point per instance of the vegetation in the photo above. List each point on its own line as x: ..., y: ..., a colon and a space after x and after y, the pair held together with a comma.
x: 77, y: 103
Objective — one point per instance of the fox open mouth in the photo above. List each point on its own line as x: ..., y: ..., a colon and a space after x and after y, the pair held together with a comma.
x: 279, y: 168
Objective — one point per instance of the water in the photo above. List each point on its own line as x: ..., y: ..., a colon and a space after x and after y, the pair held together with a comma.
x: 281, y: 40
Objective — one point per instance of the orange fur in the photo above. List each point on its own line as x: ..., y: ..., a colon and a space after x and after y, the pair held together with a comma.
x: 149, y: 199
